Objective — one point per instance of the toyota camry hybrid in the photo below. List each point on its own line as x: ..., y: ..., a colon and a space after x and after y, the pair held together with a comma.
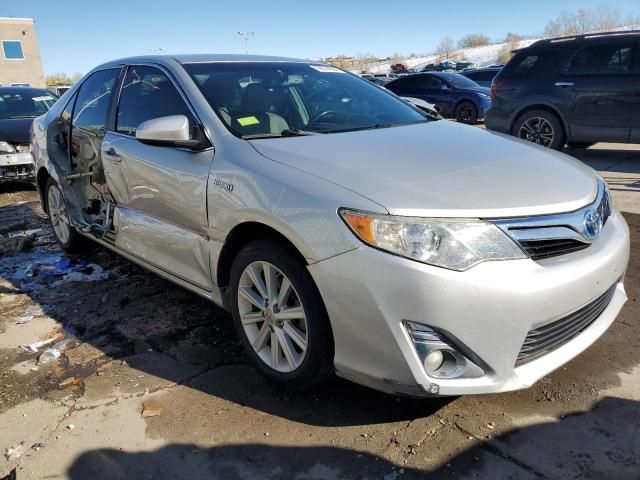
x: 345, y: 230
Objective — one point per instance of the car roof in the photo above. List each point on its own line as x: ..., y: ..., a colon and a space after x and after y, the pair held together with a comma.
x: 585, y: 37
x: 204, y: 58
x: 9, y: 89
x: 483, y: 69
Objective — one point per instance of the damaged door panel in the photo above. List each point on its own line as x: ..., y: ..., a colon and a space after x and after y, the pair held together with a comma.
x: 74, y: 142
x: 159, y: 191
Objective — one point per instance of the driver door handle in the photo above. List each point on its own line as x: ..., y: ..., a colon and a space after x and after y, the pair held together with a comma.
x: 563, y: 84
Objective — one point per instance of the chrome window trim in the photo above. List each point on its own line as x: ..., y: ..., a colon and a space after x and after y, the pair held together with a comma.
x: 560, y: 226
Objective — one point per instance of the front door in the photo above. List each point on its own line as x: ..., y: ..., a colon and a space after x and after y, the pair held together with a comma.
x: 601, y: 85
x: 160, y: 192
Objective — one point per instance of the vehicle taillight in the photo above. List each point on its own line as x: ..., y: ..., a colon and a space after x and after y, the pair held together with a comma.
x: 496, y: 85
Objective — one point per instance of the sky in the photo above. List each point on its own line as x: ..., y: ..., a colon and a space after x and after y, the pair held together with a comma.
x: 76, y: 35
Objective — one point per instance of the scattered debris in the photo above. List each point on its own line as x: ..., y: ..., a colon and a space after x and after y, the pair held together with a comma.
x: 491, y: 425
x: 13, y: 244
x: 53, y: 353
x: 24, y: 319
x: 36, y: 346
x: 14, y: 452
x: 151, y: 408
x: 38, y: 446
x: 54, y: 270
x: 71, y: 426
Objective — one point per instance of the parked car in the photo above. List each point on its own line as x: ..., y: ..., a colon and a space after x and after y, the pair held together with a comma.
x: 431, y: 67
x: 455, y: 96
x: 464, y: 66
x: 399, y: 68
x: 341, y: 227
x: 18, y: 107
x: 482, y: 76
x: 382, y: 81
x: 576, y: 90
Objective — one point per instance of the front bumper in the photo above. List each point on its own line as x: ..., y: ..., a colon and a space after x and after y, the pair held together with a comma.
x: 488, y: 309
x: 16, y: 167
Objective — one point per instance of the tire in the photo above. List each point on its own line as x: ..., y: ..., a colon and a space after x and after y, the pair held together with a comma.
x: 302, y: 368
x: 66, y: 236
x: 541, y: 127
x: 466, y: 112
x: 581, y: 144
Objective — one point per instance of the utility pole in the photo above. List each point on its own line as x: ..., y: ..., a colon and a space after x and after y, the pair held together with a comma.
x: 246, y: 36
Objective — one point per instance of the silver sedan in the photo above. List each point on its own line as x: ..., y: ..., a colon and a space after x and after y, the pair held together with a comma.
x: 345, y: 230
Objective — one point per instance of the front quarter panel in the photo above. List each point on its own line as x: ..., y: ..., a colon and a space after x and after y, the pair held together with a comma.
x: 245, y: 186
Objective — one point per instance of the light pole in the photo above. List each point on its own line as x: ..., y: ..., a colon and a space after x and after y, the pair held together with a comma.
x: 246, y: 36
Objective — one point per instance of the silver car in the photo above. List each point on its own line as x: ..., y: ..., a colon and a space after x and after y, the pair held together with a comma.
x: 345, y: 230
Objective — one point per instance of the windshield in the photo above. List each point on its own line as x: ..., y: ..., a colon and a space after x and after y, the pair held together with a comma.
x: 25, y: 104
x: 279, y: 99
x: 460, y: 81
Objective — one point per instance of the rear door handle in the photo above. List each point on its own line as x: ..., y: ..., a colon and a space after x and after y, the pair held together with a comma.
x: 112, y: 154
x: 563, y: 84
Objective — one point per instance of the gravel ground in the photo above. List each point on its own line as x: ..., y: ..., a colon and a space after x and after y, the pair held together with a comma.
x: 155, y: 385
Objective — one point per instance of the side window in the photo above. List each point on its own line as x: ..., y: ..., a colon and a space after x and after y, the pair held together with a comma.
x: 63, y: 125
x: 147, y: 93
x: 601, y: 59
x: 474, y: 76
x: 526, y: 64
x: 429, y: 82
x: 89, y: 117
x: 407, y: 82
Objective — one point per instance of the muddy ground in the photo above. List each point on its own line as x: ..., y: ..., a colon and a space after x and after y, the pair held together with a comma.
x: 155, y: 385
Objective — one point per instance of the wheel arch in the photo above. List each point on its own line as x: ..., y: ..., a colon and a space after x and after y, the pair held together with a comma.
x: 541, y: 106
x: 241, y: 235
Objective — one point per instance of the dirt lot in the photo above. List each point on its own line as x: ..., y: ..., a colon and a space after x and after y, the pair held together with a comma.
x: 154, y: 385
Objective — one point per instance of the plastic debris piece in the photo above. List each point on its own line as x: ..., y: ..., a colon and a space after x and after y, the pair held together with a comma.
x: 37, y: 446
x: 48, y: 356
x: 151, y: 408
x: 24, y: 319
x: 36, y: 346
x: 14, y: 452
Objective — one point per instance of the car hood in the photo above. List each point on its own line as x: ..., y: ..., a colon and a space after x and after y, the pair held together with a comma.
x: 441, y: 169
x: 15, y: 130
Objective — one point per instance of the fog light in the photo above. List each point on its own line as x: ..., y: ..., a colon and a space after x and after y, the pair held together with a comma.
x: 440, y: 357
x: 434, y: 361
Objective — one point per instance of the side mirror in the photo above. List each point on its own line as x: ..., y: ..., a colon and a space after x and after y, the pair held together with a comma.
x: 170, y: 131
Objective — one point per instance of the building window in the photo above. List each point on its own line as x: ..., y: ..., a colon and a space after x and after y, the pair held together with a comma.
x: 12, y: 50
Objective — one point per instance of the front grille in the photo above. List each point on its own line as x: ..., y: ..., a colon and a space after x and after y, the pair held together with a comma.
x: 543, y: 340
x: 541, y: 249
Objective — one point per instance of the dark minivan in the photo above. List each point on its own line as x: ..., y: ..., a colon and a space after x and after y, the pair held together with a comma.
x: 577, y: 90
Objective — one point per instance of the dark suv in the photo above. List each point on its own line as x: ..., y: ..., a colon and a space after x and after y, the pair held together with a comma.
x: 576, y: 90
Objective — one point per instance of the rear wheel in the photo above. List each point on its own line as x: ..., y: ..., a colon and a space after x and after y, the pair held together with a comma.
x: 70, y: 240
x: 541, y: 127
x: 466, y: 112
x: 279, y: 316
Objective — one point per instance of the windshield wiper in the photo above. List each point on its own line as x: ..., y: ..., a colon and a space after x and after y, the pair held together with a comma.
x: 287, y: 132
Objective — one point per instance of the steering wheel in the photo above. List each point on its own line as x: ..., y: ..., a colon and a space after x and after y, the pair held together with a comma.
x: 324, y: 116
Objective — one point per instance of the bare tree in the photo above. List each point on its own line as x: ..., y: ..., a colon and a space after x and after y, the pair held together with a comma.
x: 445, y: 47
x: 603, y: 18
x: 474, y: 40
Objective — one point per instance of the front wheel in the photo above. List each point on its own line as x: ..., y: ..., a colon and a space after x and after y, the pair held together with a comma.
x: 541, y: 127
x: 466, y: 112
x: 279, y: 316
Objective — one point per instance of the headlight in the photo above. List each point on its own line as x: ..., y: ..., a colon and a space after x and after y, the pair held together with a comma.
x: 485, y: 96
x: 456, y: 244
x: 25, y: 148
x: 6, y: 148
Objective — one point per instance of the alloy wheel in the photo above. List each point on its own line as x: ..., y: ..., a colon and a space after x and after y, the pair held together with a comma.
x: 272, y: 316
x: 537, y: 130
x: 58, y: 214
x: 466, y: 113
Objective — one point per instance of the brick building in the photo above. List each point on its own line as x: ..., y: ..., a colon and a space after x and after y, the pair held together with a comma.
x: 20, y: 62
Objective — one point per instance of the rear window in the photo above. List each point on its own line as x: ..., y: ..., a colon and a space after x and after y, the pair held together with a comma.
x: 526, y: 64
x: 601, y: 59
x: 485, y: 76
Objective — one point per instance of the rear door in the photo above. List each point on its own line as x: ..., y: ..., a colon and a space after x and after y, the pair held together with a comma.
x: 425, y: 87
x: 160, y: 191
x: 599, y: 78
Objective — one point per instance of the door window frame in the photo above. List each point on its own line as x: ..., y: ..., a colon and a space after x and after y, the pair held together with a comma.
x: 112, y: 121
